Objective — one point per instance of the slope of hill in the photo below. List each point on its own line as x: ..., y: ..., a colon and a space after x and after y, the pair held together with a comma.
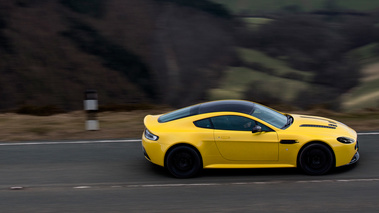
x: 129, y: 51
x: 366, y: 94
x: 174, y: 51
x: 248, y: 7
x: 341, y: 32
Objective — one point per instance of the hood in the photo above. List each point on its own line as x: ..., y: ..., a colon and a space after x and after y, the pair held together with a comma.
x: 314, y: 121
x: 321, y: 125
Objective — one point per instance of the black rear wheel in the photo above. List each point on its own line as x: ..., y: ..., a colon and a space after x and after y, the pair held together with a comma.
x: 316, y: 159
x: 183, y: 162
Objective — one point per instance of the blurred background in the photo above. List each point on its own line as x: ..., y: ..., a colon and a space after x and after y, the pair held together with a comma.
x: 301, y: 54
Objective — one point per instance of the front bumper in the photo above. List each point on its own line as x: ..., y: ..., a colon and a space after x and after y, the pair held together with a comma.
x: 145, y: 154
x: 356, y: 156
x: 355, y: 159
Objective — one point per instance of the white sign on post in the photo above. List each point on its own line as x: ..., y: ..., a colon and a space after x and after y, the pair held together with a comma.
x: 91, y: 107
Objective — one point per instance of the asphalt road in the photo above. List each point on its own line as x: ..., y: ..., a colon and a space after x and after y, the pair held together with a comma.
x: 114, y: 177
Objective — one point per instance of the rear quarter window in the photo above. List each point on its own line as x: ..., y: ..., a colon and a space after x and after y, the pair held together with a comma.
x: 204, y: 123
x: 177, y: 114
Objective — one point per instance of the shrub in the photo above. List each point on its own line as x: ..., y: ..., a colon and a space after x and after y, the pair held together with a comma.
x: 319, y: 97
x: 204, y: 5
x: 113, y: 55
x: 39, y: 110
x: 93, y: 8
x: 256, y: 91
x: 125, y: 107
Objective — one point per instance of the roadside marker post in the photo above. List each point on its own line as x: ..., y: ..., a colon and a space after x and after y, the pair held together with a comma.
x: 91, y: 108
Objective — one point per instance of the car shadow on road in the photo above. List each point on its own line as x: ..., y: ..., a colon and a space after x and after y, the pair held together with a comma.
x: 272, y: 172
x: 260, y: 172
x: 158, y: 170
x: 250, y: 172
x: 344, y: 169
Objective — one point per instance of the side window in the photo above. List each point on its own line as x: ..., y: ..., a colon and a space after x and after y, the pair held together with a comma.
x: 236, y: 123
x: 232, y: 122
x: 204, y: 123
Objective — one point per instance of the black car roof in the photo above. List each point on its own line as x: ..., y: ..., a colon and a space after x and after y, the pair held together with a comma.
x: 214, y: 106
x: 225, y: 106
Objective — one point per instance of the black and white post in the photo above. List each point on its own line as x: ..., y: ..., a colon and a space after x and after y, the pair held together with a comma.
x: 91, y: 107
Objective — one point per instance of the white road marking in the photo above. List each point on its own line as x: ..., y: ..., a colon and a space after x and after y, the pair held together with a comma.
x: 16, y: 188
x: 250, y: 183
x: 70, y: 142
x: 173, y: 185
x: 228, y: 184
x: 368, y: 133
x: 82, y: 187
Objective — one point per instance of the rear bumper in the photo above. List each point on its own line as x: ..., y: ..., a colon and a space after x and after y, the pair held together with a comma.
x: 153, y: 151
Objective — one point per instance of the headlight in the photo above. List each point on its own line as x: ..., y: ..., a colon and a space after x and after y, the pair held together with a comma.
x: 345, y: 140
x: 150, y: 135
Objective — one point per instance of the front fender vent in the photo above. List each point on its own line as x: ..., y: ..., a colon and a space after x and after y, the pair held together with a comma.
x: 319, y: 126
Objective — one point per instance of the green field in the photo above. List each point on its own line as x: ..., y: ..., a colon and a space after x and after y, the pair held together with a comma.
x: 366, y: 54
x: 366, y: 94
x: 241, y: 6
x: 261, y: 6
x: 254, y: 23
x: 279, y: 67
x: 237, y: 79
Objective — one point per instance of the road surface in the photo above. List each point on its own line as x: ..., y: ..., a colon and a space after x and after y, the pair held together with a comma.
x: 113, y: 176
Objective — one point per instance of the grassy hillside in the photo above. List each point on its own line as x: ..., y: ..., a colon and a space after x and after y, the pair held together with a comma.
x: 341, y: 22
x: 238, y: 79
x: 174, y: 51
x: 263, y: 6
x: 129, y: 51
x: 366, y: 54
x: 237, y: 82
x: 275, y: 66
x: 277, y: 83
x: 248, y: 7
x: 366, y: 94
x: 44, y: 66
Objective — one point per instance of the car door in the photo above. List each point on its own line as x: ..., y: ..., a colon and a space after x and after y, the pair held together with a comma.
x: 236, y: 141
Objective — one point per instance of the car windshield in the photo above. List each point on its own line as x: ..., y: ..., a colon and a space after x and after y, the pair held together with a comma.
x: 270, y: 116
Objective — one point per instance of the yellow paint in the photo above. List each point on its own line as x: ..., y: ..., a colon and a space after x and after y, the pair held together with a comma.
x: 244, y: 149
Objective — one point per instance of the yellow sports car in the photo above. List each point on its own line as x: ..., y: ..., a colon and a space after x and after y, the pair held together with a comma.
x: 243, y: 134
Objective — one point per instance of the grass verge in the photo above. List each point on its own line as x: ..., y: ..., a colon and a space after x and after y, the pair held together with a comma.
x: 115, y: 125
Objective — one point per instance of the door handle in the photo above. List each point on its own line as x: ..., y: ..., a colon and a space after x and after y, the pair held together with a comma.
x: 224, y: 137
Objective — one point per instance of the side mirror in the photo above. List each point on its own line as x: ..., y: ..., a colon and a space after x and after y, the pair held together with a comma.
x: 256, y: 129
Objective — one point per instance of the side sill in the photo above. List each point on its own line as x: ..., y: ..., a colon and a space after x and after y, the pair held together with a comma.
x: 248, y: 166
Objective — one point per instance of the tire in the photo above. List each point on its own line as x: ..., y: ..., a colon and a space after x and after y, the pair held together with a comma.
x: 183, y: 162
x: 316, y: 159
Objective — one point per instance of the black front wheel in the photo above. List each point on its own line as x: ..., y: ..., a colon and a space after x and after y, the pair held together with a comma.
x: 183, y: 162
x: 316, y: 159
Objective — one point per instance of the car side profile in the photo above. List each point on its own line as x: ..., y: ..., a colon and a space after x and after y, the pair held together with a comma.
x: 244, y: 134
